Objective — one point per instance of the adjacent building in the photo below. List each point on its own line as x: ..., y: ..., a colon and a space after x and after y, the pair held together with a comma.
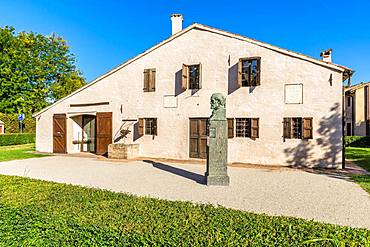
x: 357, y: 110
x: 283, y: 108
x: 2, y: 127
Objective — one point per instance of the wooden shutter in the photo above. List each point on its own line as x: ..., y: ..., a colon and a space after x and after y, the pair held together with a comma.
x: 146, y: 80
x: 258, y: 79
x: 152, y: 80
x: 200, y: 76
x: 307, y: 128
x: 240, y: 72
x: 103, y: 131
x: 59, y: 133
x: 184, y: 80
x: 230, y: 127
x: 154, y: 127
x: 287, y: 128
x: 141, y: 127
x: 254, y: 128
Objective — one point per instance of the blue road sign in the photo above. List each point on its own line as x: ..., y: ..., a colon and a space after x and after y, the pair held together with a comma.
x: 20, y: 117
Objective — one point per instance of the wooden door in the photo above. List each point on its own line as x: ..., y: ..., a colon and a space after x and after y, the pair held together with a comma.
x: 198, y: 138
x: 59, y: 133
x: 103, y: 132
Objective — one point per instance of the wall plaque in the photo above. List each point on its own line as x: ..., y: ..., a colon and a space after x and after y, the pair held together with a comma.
x: 169, y: 101
x: 293, y: 93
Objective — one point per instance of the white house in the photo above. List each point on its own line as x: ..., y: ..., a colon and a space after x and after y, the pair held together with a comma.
x: 284, y: 108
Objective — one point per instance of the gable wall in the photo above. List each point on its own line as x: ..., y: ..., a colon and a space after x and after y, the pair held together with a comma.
x: 125, y: 87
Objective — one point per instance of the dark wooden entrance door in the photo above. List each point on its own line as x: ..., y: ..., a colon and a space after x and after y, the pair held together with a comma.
x: 59, y: 133
x: 103, y: 132
x: 198, y: 138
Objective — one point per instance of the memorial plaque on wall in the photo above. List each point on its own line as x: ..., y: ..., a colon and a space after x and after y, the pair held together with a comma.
x: 293, y: 94
x: 169, y: 101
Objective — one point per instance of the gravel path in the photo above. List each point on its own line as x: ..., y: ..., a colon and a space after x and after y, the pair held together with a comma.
x: 274, y: 192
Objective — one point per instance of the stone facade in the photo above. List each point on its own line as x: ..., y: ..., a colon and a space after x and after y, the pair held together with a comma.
x: 219, y: 53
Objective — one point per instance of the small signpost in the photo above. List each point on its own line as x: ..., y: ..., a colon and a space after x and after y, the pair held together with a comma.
x: 20, y: 119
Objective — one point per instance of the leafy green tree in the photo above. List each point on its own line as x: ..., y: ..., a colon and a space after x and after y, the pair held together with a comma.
x: 35, y: 71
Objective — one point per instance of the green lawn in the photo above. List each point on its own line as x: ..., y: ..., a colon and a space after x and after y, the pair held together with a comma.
x: 18, y: 152
x: 361, y: 157
x: 39, y: 213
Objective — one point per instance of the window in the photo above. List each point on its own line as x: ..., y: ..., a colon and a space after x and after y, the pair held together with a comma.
x: 297, y: 128
x: 192, y: 76
x: 149, y: 80
x: 147, y: 126
x: 249, y: 71
x: 247, y: 127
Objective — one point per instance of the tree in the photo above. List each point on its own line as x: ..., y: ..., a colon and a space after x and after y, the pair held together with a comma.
x: 35, y: 71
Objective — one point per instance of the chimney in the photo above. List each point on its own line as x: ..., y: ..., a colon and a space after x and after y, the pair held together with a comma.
x: 326, y: 55
x: 176, y: 20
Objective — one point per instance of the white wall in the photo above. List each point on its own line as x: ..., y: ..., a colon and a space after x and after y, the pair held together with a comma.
x: 125, y: 87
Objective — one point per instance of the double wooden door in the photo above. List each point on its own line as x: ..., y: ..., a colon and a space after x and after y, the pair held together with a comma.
x: 198, y: 138
x: 103, y: 132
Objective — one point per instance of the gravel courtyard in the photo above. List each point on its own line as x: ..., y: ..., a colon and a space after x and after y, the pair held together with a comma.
x: 274, y: 192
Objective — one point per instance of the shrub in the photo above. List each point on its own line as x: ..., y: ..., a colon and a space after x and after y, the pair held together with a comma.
x: 12, y: 124
x: 16, y: 139
x: 357, y: 141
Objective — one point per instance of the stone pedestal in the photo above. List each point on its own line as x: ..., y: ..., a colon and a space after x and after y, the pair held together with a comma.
x: 123, y: 151
x: 216, y: 173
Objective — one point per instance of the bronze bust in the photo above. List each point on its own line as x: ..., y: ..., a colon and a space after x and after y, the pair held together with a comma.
x: 218, y: 106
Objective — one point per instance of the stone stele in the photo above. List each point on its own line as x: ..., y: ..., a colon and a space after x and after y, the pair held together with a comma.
x: 216, y: 173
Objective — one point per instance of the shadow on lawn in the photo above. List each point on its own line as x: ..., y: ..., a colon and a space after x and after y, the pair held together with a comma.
x: 200, y: 179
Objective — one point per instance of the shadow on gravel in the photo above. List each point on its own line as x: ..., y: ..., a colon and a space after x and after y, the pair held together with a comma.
x: 200, y: 179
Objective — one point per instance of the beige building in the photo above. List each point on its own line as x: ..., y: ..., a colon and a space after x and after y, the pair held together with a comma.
x: 357, y: 112
x: 284, y: 108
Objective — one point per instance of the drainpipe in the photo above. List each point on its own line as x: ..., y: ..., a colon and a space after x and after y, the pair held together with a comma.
x: 344, y: 120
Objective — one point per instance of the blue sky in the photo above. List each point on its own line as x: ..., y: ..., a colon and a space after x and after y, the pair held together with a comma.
x: 103, y: 34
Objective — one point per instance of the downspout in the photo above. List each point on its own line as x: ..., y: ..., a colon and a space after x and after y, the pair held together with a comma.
x: 350, y: 73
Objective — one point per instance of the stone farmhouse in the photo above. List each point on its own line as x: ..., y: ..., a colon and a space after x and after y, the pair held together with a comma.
x: 357, y: 110
x: 283, y: 108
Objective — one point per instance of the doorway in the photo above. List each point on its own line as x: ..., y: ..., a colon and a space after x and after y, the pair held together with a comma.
x: 88, y: 143
x: 198, y: 138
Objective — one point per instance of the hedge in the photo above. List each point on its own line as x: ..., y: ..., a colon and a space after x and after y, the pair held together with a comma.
x: 357, y: 141
x: 12, y: 124
x: 16, y: 139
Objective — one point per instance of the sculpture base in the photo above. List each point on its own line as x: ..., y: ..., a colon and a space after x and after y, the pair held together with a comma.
x: 217, y: 180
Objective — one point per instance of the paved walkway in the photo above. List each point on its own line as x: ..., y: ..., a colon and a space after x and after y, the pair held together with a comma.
x: 322, y: 197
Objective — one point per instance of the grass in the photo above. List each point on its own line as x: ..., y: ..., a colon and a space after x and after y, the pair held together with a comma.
x: 18, y: 152
x: 361, y: 157
x: 39, y: 213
